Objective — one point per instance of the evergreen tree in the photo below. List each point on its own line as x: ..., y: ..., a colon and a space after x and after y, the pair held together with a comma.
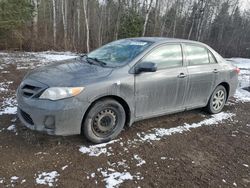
x: 13, y: 16
x: 220, y: 28
x: 131, y: 25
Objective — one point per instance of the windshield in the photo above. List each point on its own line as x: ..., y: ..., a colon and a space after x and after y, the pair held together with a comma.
x: 119, y: 52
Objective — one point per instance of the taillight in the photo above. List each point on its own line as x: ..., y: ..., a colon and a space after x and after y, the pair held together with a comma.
x: 237, y: 70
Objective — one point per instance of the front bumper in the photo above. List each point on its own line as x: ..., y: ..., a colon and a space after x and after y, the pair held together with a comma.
x: 62, y: 117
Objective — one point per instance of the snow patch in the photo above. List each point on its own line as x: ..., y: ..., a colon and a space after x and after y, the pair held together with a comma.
x: 31, y: 60
x: 9, y: 110
x: 64, y: 167
x: 12, y: 128
x: 4, y: 86
x: 154, y: 135
x: 245, y: 165
x: 14, y: 179
x: 119, y: 164
x: 242, y: 95
x: 140, y: 160
x: 23, y: 181
x: 47, y: 178
x: 41, y: 153
x: 5, y: 72
x: 242, y: 63
x: 8, y: 106
x: 158, y: 133
x: 50, y: 56
x: 114, y: 179
x: 96, y: 150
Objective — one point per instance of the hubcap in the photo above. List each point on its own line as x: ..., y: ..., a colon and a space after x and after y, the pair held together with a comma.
x: 104, y: 122
x: 218, y: 99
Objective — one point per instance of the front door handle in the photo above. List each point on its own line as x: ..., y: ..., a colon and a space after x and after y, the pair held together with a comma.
x: 216, y: 71
x: 182, y: 75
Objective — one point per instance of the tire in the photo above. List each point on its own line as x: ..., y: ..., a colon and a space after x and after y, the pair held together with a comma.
x: 104, y: 121
x: 217, y: 100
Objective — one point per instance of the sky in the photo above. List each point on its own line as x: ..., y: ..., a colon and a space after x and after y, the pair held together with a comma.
x: 245, y: 4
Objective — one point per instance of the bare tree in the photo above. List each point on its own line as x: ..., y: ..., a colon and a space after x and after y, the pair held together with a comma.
x: 83, y: 24
x: 35, y: 19
x: 64, y: 5
x: 85, y: 7
x: 54, y: 22
x: 148, y: 10
x: 78, y: 21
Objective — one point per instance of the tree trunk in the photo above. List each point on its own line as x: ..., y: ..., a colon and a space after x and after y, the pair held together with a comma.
x: 157, y: 12
x: 146, y: 18
x: 85, y: 4
x: 65, y: 24
x: 118, y: 20
x: 78, y: 22
x: 54, y: 22
x: 34, y: 24
x: 175, y: 17
x: 100, y: 27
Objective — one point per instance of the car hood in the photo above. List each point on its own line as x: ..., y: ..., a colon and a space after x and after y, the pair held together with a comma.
x: 74, y: 72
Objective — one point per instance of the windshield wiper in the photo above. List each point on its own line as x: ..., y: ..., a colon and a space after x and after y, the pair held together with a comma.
x: 86, y: 60
x: 97, y: 60
x: 93, y: 59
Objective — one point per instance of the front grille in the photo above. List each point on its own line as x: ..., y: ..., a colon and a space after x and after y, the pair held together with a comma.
x: 27, y: 117
x: 31, y: 91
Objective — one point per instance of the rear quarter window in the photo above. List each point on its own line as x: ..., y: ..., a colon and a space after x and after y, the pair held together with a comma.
x: 211, y: 58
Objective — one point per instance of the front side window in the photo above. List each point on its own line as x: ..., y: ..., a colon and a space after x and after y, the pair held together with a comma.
x: 166, y: 56
x: 119, y: 52
x: 196, y: 55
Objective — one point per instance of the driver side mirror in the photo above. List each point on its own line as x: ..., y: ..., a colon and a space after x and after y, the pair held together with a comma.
x: 145, y: 67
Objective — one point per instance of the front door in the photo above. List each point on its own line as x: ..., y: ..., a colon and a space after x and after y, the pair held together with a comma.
x: 162, y: 91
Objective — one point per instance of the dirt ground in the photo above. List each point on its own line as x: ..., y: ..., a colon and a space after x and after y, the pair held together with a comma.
x: 207, y: 156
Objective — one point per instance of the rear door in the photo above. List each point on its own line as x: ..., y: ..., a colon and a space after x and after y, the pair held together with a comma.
x: 161, y: 91
x: 202, y: 70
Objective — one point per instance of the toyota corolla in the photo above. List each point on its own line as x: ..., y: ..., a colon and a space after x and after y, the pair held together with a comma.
x: 124, y: 81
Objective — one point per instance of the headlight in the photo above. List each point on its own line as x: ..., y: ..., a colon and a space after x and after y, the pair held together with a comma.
x: 56, y: 93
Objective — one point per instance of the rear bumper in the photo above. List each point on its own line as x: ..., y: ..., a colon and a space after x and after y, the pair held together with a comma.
x: 233, y: 86
x: 63, y: 117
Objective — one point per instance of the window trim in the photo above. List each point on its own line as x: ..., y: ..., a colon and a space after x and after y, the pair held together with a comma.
x: 162, y: 45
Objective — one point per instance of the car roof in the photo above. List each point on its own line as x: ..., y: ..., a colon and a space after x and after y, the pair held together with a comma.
x: 164, y: 40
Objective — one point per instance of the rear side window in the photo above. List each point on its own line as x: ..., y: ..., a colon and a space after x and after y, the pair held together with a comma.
x: 166, y: 56
x: 196, y: 55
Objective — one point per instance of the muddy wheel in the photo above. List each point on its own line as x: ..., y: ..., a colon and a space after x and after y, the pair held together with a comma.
x: 217, y: 100
x: 104, y: 121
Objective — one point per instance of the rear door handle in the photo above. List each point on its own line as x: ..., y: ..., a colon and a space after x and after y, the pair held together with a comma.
x: 182, y: 75
x: 216, y: 71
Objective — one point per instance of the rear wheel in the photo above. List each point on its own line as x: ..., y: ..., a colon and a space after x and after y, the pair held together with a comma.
x: 217, y: 100
x: 104, y: 121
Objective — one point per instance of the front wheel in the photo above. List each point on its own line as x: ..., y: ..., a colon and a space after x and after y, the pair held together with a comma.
x: 104, y: 121
x: 217, y: 100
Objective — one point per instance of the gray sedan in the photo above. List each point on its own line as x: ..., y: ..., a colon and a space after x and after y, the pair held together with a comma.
x: 124, y: 81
